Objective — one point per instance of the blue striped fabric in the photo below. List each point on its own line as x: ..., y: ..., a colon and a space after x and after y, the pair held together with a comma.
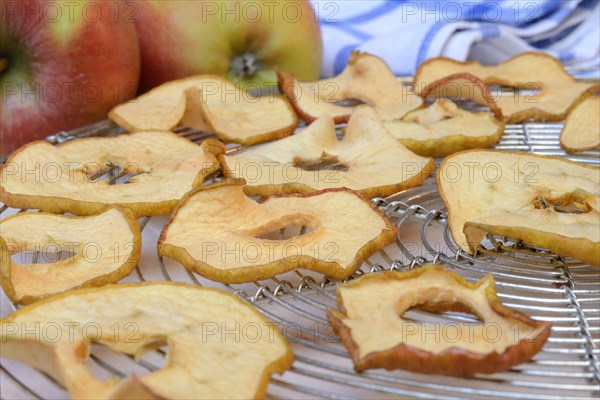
x: 405, y: 33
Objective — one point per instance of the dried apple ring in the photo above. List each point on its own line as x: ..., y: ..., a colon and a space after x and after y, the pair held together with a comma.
x: 161, y: 167
x: 582, y: 127
x: 236, y: 116
x: 370, y: 324
x: 160, y: 109
x: 366, y: 78
x: 212, y: 104
x: 216, y: 232
x: 553, y: 89
x: 104, y: 247
x: 368, y: 159
x: 544, y: 201
x: 219, y: 345
x: 443, y: 129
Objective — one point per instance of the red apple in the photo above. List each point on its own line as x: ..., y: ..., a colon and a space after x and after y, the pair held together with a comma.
x: 244, y: 41
x: 63, y: 64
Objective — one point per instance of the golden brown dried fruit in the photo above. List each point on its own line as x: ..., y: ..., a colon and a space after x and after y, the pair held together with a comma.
x: 544, y: 201
x: 212, y: 104
x: 159, y: 109
x: 238, y: 117
x: 216, y: 232
x: 105, y: 247
x: 219, y: 345
x: 582, y: 127
x: 368, y: 159
x: 443, y: 129
x: 63, y: 178
x: 554, y: 89
x: 369, y: 325
x: 366, y: 78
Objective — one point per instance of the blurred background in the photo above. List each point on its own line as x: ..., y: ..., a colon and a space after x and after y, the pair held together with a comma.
x: 406, y: 33
x: 65, y: 63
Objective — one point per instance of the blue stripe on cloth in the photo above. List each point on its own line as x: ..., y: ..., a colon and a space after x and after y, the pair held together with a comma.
x: 429, y: 36
x: 588, y: 4
x: 491, y: 11
x: 561, y: 14
x: 376, y: 12
x: 542, y: 12
x: 542, y: 44
x: 341, y: 59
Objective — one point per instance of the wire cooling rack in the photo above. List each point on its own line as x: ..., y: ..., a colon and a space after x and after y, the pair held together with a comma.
x: 546, y: 286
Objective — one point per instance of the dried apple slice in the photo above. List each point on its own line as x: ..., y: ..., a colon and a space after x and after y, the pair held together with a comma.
x: 443, y: 129
x: 219, y: 345
x: 368, y: 159
x: 159, y: 109
x: 370, y: 324
x: 105, y: 247
x: 236, y: 116
x: 582, y: 127
x: 544, y: 201
x: 366, y: 78
x: 64, y: 178
x: 554, y: 89
x: 212, y: 104
x: 216, y: 232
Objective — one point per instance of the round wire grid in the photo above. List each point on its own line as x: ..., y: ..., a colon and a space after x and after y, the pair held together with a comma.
x: 546, y: 286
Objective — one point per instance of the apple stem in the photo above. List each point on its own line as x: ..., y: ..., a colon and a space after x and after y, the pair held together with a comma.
x: 3, y: 64
x: 245, y: 65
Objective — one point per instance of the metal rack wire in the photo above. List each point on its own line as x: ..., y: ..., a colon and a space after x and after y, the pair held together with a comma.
x: 546, y: 286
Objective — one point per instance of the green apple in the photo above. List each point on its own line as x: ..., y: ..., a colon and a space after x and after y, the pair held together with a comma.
x: 244, y: 41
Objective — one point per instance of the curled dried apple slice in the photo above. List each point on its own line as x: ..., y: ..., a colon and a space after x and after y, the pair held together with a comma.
x: 370, y: 324
x: 582, y: 127
x: 549, y: 90
x: 159, y: 109
x: 217, y: 232
x: 368, y: 159
x: 160, y: 168
x: 236, y: 116
x: 103, y: 249
x: 366, y: 78
x: 212, y: 104
x: 544, y: 201
x: 219, y: 345
x: 443, y: 129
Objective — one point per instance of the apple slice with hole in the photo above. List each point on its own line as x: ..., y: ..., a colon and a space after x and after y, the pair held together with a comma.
x: 216, y: 231
x: 545, y: 201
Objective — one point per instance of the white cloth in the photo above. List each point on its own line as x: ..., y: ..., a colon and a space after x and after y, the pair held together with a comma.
x: 405, y: 33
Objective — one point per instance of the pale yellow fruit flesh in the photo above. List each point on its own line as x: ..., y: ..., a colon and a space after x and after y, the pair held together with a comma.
x: 377, y: 306
x: 219, y: 346
x: 57, y: 178
x: 236, y: 116
x: 366, y: 78
x: 582, y: 127
x: 216, y: 232
x: 494, y: 191
x: 159, y: 109
x: 548, y: 90
x: 106, y: 248
x: 372, y: 160
x: 209, y: 103
x: 443, y: 128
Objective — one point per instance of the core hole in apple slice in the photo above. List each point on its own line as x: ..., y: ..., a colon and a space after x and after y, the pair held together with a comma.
x: 288, y: 232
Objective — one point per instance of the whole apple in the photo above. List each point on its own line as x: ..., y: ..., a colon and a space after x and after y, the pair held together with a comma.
x: 63, y: 64
x: 244, y: 41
